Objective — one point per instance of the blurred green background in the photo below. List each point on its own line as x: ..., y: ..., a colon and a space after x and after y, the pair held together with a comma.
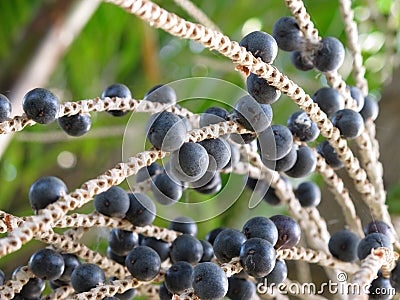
x: 115, y: 47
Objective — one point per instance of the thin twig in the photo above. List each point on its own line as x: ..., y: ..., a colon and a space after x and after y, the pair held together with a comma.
x: 196, y: 13
x: 15, y: 285
x: 342, y: 196
x: 353, y: 44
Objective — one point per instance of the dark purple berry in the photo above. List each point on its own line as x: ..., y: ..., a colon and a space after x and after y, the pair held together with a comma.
x: 87, y: 276
x: 329, y: 153
x: 257, y: 257
x: 41, y: 106
x: 287, y: 34
x: 301, y: 61
x: 261, y: 90
x: 329, y: 100
x: 349, y: 122
x: 142, y: 210
x: 209, y: 281
x: 186, y: 248
x: 289, y: 232
x: 161, y: 93
x: 47, y: 264
x: 373, y: 241
x: 112, y: 203
x: 260, y: 44
x: 227, y: 244
x: 329, y: 55
x: 302, y: 127
x: 5, y: 108
x: 184, y: 224
x: 305, y: 163
x: 143, y: 263
x: 308, y: 193
x: 75, y: 125
x: 343, y: 245
x: 46, y: 190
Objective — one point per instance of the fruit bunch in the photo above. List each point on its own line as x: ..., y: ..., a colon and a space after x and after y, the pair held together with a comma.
x: 143, y: 259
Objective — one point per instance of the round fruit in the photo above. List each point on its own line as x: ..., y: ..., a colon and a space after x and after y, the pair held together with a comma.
x: 46, y: 190
x: 370, y: 109
x: 287, y: 34
x: 41, y: 105
x: 142, y: 210
x: 208, y: 251
x: 373, y: 241
x: 166, y: 131
x: 260, y: 44
x: 329, y: 153
x: 227, y: 244
x: 343, y: 245
x: 275, y: 142
x: 113, y: 203
x: 186, y: 248
x: 189, y: 163
x: 165, y: 190
x: 143, y: 263
x: 378, y: 226
x: 302, y: 127
x: 305, y: 163
x: 161, y: 93
x: 289, y: 231
x: 148, y: 172
x: 184, y: 224
x: 71, y: 261
x: 75, y: 125
x: 308, y: 194
x: 262, y: 228
x: 285, y: 163
x: 122, y: 241
x: 329, y: 100
x: 5, y: 108
x: 349, y: 122
x: 329, y: 55
x: 179, y: 277
x: 301, y: 61
x: 47, y: 264
x: 161, y: 247
x: 257, y: 257
x: 261, y: 91
x: 253, y: 115
x: 219, y: 149
x: 87, y: 276
x: 209, y: 281
x: 240, y: 289
x: 213, y: 115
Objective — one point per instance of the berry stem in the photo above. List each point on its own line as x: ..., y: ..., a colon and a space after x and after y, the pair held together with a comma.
x: 68, y: 245
x: 303, y: 19
x: 196, y: 13
x: 97, y: 104
x: 379, y: 258
x: 116, y: 287
x: 342, y: 196
x: 352, y: 42
x: 15, y: 285
x: 63, y: 292
x: 97, y: 220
